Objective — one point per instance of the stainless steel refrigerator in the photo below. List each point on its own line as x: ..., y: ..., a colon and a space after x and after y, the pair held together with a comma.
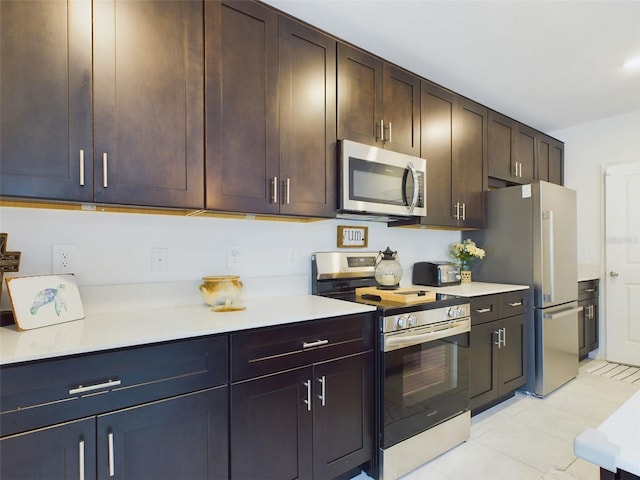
x: 530, y: 239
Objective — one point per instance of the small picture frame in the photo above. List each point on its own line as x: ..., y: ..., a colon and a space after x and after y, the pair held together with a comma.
x: 39, y: 301
x: 353, y: 237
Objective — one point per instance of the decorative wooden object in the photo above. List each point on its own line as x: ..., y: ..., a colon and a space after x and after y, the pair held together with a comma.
x: 401, y: 295
x: 9, y: 261
x: 353, y: 237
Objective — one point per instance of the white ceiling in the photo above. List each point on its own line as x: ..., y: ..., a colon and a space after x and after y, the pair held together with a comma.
x: 551, y: 64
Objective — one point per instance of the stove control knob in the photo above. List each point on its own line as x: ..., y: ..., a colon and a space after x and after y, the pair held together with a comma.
x: 412, y: 320
x: 401, y: 322
x: 451, y: 312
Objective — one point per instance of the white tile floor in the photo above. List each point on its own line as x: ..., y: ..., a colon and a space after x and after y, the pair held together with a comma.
x: 530, y: 438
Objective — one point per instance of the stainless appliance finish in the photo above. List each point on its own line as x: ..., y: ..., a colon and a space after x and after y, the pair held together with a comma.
x: 531, y: 239
x: 422, y: 360
x: 377, y: 184
x: 437, y: 274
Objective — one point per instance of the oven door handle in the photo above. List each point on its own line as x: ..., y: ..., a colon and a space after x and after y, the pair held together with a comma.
x: 414, y: 337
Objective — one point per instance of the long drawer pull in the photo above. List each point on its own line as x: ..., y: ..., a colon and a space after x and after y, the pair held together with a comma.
x: 91, y: 388
x: 307, y: 384
x: 483, y: 310
x: 515, y: 304
x: 317, y: 343
x: 105, y: 182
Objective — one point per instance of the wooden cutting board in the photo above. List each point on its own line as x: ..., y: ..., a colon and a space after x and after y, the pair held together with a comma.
x: 400, y: 295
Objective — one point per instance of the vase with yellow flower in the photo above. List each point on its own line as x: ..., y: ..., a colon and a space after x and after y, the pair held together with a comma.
x: 464, y: 253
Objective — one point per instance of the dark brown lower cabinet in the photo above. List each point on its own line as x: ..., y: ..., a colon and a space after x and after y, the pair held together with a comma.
x: 588, y: 338
x: 310, y: 422
x: 52, y: 452
x: 182, y: 437
x: 497, y: 353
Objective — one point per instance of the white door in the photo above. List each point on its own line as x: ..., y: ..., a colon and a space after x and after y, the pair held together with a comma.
x: 622, y: 276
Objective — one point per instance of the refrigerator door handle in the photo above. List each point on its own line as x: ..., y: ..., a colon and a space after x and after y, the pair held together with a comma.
x: 550, y: 296
x: 563, y: 313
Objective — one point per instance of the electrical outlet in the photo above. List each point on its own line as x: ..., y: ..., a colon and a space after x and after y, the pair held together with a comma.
x: 234, y: 256
x: 159, y: 259
x: 63, y: 259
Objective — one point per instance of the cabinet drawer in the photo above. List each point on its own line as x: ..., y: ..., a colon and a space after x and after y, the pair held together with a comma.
x: 52, y: 391
x: 588, y: 289
x: 272, y: 349
x: 512, y: 303
x: 484, y: 309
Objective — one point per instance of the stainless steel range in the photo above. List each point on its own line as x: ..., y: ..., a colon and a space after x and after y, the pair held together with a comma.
x: 422, y: 404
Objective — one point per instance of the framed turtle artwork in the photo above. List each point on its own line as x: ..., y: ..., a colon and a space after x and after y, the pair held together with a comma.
x: 39, y: 301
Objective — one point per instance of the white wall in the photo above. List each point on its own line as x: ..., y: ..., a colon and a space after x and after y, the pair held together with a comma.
x: 589, y: 149
x: 115, y: 249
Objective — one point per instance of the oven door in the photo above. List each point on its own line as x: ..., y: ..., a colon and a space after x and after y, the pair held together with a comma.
x: 424, y: 383
x: 382, y: 181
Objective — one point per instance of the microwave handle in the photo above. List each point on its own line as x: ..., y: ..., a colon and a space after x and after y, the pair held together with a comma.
x: 416, y: 187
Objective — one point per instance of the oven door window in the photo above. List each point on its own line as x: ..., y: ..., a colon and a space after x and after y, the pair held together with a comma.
x: 424, y: 385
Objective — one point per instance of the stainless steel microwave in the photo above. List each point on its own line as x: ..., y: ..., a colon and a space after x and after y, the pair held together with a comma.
x: 379, y: 182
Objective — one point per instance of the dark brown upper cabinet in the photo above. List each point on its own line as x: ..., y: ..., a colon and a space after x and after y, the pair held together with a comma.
x: 307, y: 96
x: 46, y: 141
x: 148, y: 88
x: 550, y: 159
x: 454, y: 143
x: 146, y: 147
x: 378, y: 103
x: 512, y: 150
x: 270, y: 113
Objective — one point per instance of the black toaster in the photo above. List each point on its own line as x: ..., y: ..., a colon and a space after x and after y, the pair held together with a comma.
x: 436, y: 274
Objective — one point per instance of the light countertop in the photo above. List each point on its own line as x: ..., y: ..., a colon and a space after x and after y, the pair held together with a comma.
x: 137, y: 327
x: 615, y: 444
x: 476, y: 289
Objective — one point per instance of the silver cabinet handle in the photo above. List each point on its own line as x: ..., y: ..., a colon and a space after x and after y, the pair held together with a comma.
x: 81, y: 459
x: 613, y: 274
x: 317, y: 343
x: 504, y: 336
x: 515, y: 304
x: 381, y: 136
x: 82, y: 168
x: 389, y: 139
x: 105, y: 183
x: 520, y: 169
x: 514, y: 169
x: 323, y: 393
x: 590, y: 290
x: 91, y: 388
x: 457, y: 214
x: 308, y: 399
x: 563, y: 313
x: 112, y: 465
x: 499, y: 334
x: 464, y: 211
x: 483, y: 310
x: 287, y: 190
x: 274, y: 190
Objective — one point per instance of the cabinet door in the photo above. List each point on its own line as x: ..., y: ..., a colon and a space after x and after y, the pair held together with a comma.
x: 401, y: 110
x: 66, y: 451
x: 359, y: 96
x: 483, y: 364
x: 591, y: 331
x: 45, y: 99
x: 524, y: 153
x: 500, y: 146
x: 308, y: 151
x: 436, y: 146
x: 544, y: 152
x: 271, y: 426
x: 582, y: 327
x: 342, y: 415
x: 148, y: 86
x: 556, y: 162
x: 241, y: 58
x: 181, y: 437
x: 511, y: 367
x: 469, y: 163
